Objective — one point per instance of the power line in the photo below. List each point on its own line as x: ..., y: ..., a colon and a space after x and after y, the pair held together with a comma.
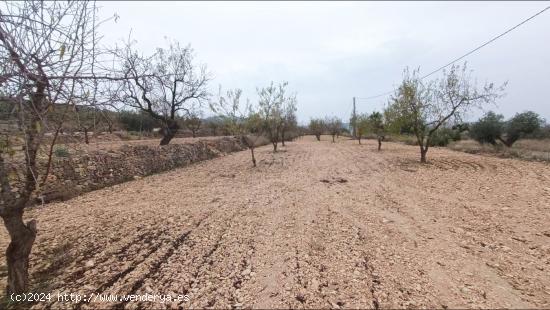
x: 373, y: 97
x: 467, y: 54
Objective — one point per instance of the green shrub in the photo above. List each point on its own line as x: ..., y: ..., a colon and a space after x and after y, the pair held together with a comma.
x: 137, y: 121
x: 443, y: 136
x: 61, y: 152
x: 488, y: 128
x: 522, y: 124
x: 492, y: 127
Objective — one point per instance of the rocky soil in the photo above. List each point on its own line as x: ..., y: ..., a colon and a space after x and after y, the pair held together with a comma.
x: 316, y: 225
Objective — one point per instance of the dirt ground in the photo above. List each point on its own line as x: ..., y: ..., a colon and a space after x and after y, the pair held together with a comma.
x: 316, y: 225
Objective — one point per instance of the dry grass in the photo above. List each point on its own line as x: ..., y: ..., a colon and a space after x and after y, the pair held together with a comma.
x: 528, y: 149
x: 406, y: 139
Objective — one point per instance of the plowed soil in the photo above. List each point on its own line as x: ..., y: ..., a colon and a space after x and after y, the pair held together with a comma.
x: 315, y: 225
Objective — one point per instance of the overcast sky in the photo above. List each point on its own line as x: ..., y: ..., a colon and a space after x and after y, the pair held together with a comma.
x: 330, y: 52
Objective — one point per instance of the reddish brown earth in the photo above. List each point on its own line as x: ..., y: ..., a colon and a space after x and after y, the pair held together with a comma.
x: 316, y: 225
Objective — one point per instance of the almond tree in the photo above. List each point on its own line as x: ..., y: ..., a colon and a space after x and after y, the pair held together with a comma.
x: 289, y: 120
x: 164, y: 85
x: 193, y: 122
x: 376, y: 125
x: 430, y: 105
x: 362, y: 126
x: 317, y: 127
x: 241, y: 121
x: 47, y: 55
x: 270, y: 109
x: 334, y: 126
x: 88, y: 118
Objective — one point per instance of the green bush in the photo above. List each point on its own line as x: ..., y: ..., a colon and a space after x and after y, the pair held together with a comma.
x: 522, y: 124
x: 488, y: 128
x: 492, y: 127
x: 443, y: 136
x: 137, y: 121
x: 61, y: 152
x: 6, y: 110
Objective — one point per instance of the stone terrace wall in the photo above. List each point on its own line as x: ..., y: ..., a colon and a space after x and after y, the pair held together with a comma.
x: 80, y: 173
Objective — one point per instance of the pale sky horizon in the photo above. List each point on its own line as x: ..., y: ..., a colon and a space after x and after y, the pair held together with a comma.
x: 330, y: 52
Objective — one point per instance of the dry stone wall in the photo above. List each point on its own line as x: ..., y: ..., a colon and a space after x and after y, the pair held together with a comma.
x: 80, y: 173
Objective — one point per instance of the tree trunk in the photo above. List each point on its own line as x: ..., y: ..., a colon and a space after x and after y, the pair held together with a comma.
x: 250, y: 145
x: 423, y: 151
x: 166, y: 138
x: 194, y: 133
x: 274, y: 146
x: 86, y: 136
x: 318, y: 137
x: 333, y: 139
x: 22, y: 235
x: 283, y: 137
x: 169, y: 132
x: 359, y: 138
x: 379, y: 143
x: 506, y: 142
x: 17, y: 255
x: 253, y: 158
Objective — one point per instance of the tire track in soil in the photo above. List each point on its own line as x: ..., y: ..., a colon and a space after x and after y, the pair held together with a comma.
x: 334, y: 265
x: 407, y: 286
x: 120, y: 276
x: 143, y: 238
x: 156, y: 266
x: 204, y: 263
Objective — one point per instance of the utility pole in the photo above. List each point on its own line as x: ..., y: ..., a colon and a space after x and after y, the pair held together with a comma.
x: 354, y: 121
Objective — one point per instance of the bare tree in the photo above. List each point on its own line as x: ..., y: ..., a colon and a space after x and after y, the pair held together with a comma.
x: 429, y: 105
x: 317, y: 127
x: 164, y: 85
x: 334, y: 126
x: 362, y: 126
x: 376, y: 126
x: 47, y: 57
x: 88, y: 119
x: 214, y: 124
x: 241, y: 121
x: 108, y: 117
x: 272, y: 99
x: 193, y: 122
x: 289, y: 120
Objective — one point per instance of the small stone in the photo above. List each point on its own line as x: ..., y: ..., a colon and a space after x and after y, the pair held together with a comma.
x: 90, y: 263
x: 314, y: 284
x: 246, y: 272
x: 88, y: 288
